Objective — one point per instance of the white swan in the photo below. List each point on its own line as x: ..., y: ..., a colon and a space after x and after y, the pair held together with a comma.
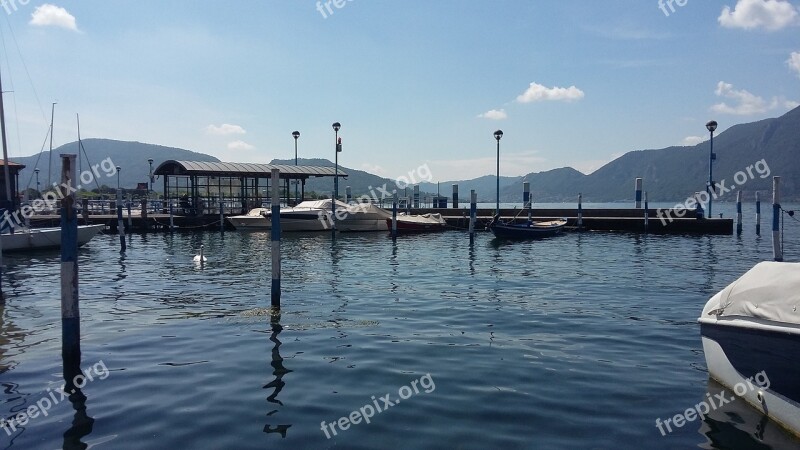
x: 200, y: 258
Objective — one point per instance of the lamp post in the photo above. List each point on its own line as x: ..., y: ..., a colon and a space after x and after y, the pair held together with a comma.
x: 150, y: 161
x: 711, y: 126
x: 497, y: 135
x: 336, y: 127
x: 295, y: 135
x: 38, y: 188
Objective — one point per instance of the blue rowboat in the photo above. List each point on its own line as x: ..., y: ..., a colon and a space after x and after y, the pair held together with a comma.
x: 527, y: 229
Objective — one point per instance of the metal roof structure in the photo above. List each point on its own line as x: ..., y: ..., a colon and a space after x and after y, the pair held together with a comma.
x: 208, y: 168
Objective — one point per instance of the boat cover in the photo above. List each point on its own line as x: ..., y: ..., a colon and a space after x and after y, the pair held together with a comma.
x: 422, y: 219
x: 769, y: 291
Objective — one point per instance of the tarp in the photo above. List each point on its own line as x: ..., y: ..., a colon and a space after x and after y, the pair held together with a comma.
x: 769, y: 291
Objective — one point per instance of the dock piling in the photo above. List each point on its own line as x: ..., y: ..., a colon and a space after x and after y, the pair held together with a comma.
x: 70, y: 312
x: 394, y: 215
x: 144, y: 214
x: 276, y: 239
x: 777, y: 246
x: 348, y: 193
x: 646, y: 213
x: 739, y: 213
x: 221, y: 216
x: 473, y: 212
x: 526, y: 197
x: 416, y: 196
x: 130, y: 220
x: 758, y: 214
x: 120, y: 223
x: 171, y: 216
x: 580, y: 211
x: 638, y: 192
x: 455, y: 196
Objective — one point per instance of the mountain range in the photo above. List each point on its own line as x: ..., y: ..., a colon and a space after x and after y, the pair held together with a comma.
x: 748, y: 155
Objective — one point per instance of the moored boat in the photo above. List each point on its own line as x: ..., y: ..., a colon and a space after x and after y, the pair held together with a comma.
x: 317, y: 215
x: 526, y: 230
x: 44, y: 238
x: 751, y: 331
x: 410, y: 223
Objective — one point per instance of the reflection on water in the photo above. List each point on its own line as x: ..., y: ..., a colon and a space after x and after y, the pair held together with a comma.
x: 278, y: 371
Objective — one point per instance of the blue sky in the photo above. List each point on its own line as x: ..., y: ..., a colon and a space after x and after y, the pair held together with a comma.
x: 570, y: 82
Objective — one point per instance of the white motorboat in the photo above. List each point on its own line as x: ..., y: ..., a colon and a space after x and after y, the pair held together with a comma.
x: 43, y: 238
x: 317, y: 215
x: 751, y: 336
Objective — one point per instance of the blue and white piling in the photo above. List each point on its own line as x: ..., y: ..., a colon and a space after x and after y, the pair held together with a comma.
x: 120, y: 223
x: 455, y: 196
x: 70, y: 312
x: 394, y: 215
x: 758, y: 214
x: 416, y: 196
x: 638, y: 193
x: 580, y: 211
x: 777, y: 247
x: 473, y: 213
x: 276, y: 239
x: 739, y: 213
x: 526, y: 197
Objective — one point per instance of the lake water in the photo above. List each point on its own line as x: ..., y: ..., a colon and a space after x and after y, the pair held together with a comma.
x: 578, y: 341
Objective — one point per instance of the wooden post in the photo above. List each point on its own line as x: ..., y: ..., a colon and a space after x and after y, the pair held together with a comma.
x: 120, y: 224
x: 638, y: 193
x: 276, y: 239
x: 758, y: 214
x: 455, y: 196
x: 70, y: 313
x: 473, y: 212
x: 777, y: 247
x: 739, y: 212
x: 394, y: 215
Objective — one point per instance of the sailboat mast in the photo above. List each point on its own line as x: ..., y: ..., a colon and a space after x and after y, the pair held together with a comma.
x: 50, y: 156
x: 6, y: 172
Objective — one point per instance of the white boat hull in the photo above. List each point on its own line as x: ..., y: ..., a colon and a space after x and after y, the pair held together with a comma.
x: 42, y: 238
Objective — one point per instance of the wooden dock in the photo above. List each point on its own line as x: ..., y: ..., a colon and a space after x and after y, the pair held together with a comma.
x: 629, y: 219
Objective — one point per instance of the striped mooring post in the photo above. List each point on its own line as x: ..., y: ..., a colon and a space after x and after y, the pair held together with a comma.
x: 276, y: 239
x: 455, y: 196
x: 638, y: 193
x: 739, y: 212
x: 580, y: 211
x: 473, y: 212
x: 526, y: 197
x: 120, y: 223
x: 646, y: 213
x: 777, y: 247
x: 416, y: 196
x: 70, y: 312
x: 758, y: 214
x: 394, y: 215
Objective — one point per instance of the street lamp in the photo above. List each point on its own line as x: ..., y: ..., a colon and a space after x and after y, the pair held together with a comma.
x: 150, y: 161
x: 38, y: 188
x: 295, y: 135
x: 336, y: 126
x: 497, y: 135
x: 711, y: 126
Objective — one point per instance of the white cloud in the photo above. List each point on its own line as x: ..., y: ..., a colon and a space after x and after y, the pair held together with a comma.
x: 747, y: 103
x: 690, y: 141
x: 494, y: 114
x: 225, y: 129
x: 770, y: 15
x: 536, y: 93
x: 49, y: 15
x: 240, y: 145
x: 794, y: 62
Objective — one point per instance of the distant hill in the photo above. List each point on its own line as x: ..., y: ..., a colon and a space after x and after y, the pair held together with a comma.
x: 670, y: 174
x: 130, y: 156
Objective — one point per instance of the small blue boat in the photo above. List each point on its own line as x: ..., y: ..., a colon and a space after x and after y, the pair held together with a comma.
x: 526, y: 230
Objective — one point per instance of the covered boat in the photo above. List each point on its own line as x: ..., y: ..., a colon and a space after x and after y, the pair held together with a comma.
x: 751, y: 338
x: 410, y: 223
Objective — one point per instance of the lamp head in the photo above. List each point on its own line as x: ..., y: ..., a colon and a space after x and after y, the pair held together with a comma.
x: 36, y: 170
x: 295, y: 134
x: 711, y: 126
x: 150, y: 160
x: 336, y: 126
x: 498, y: 134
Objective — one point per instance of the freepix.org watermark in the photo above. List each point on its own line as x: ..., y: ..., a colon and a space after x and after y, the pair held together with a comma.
x: 712, y: 403
x: 11, y: 6
x: 50, y: 199
x: 53, y: 398
x: 740, y: 178
x: 381, y: 404
x: 326, y: 7
x: 664, y: 4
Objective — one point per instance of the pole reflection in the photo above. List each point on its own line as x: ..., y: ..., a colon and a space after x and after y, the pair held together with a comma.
x: 278, y: 371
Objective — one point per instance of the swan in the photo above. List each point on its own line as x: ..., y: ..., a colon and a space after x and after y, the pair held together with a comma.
x: 200, y: 258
